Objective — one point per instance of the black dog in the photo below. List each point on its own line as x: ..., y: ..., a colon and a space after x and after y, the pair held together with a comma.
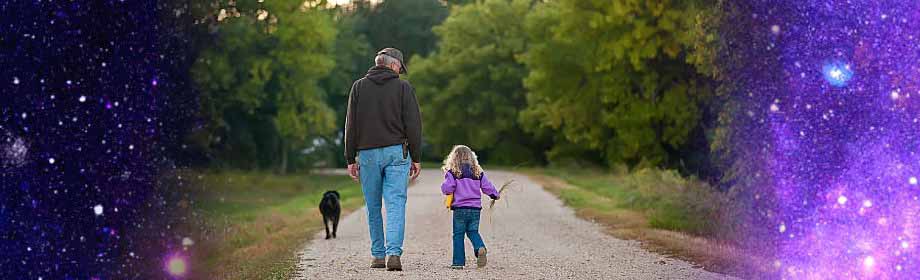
x: 329, y: 206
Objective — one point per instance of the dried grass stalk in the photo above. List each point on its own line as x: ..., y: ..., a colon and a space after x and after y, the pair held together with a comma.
x: 501, y: 192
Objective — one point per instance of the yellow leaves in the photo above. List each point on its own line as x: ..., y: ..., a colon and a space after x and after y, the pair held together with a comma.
x: 621, y: 7
x: 672, y: 50
x: 641, y: 30
x: 657, y: 8
x: 667, y: 23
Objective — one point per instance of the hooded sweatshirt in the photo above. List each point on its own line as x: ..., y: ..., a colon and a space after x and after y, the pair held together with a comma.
x: 467, y: 188
x: 382, y: 111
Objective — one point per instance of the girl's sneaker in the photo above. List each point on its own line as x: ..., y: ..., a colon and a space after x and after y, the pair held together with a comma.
x: 456, y: 267
x: 481, y: 257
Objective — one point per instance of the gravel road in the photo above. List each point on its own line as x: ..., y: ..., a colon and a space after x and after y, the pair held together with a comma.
x: 530, y: 235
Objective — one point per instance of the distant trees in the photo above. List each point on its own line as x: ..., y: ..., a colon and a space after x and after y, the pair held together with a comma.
x: 258, y: 82
x: 522, y: 81
x: 274, y: 75
x: 622, y: 82
x: 616, y: 78
x: 365, y: 28
x: 471, y: 88
x: 404, y: 24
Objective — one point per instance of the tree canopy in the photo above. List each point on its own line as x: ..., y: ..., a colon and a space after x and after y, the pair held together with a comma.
x: 521, y: 81
x: 259, y: 81
x: 471, y: 86
x: 614, y: 77
x: 402, y: 24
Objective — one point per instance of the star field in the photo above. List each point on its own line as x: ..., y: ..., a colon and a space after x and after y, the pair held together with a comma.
x: 88, y: 119
x: 828, y: 126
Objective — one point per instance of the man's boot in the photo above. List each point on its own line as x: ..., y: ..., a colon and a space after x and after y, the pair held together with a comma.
x: 379, y: 263
x: 393, y: 264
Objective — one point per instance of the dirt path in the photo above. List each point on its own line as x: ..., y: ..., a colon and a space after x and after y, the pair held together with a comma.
x: 530, y: 235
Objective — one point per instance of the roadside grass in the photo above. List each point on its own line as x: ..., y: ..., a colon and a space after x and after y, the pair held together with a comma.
x: 666, y: 199
x: 668, y: 213
x: 256, y: 221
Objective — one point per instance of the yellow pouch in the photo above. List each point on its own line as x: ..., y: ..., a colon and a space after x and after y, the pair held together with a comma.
x: 448, y: 200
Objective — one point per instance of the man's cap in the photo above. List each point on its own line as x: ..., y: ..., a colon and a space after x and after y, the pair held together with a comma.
x: 395, y: 53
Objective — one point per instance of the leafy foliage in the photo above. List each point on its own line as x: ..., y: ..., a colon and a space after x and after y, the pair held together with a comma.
x: 614, y: 77
x: 471, y: 85
x: 259, y: 81
x: 402, y: 24
x: 522, y: 81
x: 353, y: 56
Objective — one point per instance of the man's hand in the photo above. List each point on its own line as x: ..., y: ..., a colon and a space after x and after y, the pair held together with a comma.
x: 415, y: 170
x: 353, y: 171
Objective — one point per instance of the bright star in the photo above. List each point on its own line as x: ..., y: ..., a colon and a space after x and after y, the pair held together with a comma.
x: 869, y: 262
x: 837, y: 73
x: 177, y: 265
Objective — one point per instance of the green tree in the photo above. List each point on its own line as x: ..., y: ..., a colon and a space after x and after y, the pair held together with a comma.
x: 365, y: 27
x: 259, y: 80
x: 458, y: 2
x: 471, y: 85
x: 353, y: 56
x: 403, y: 24
x: 616, y: 77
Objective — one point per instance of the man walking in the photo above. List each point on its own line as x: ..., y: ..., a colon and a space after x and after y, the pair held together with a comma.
x: 383, y: 129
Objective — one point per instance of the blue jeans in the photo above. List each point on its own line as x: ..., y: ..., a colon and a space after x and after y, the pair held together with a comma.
x: 466, y: 221
x: 385, y: 175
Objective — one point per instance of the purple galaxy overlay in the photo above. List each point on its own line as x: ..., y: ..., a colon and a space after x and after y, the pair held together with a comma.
x: 91, y: 109
x: 827, y: 123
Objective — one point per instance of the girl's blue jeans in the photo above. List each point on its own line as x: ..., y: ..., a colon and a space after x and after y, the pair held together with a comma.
x: 385, y: 176
x: 466, y: 221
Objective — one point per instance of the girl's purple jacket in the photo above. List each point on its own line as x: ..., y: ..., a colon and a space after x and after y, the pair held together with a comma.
x: 467, y: 188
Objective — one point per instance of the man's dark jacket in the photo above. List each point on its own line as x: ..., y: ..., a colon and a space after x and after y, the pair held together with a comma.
x: 382, y: 111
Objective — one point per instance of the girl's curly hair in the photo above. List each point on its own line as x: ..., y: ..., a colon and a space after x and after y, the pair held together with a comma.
x: 459, y: 155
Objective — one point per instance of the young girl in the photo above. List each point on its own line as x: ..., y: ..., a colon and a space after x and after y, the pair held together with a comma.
x: 465, y: 180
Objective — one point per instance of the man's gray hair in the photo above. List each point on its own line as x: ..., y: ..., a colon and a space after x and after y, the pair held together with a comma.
x: 386, y: 60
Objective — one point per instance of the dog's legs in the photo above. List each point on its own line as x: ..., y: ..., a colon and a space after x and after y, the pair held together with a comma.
x: 335, y: 225
x: 326, y: 224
